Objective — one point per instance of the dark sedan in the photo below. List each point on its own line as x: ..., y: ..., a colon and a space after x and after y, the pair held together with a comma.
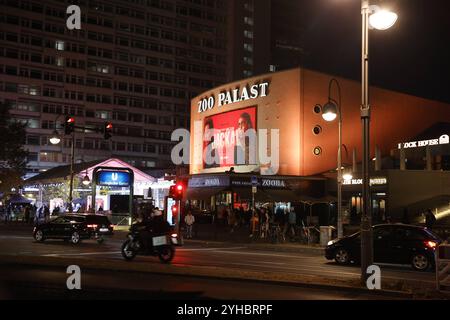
x: 74, y: 228
x: 392, y: 243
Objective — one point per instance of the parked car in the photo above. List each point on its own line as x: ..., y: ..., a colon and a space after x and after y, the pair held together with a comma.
x: 392, y: 243
x: 74, y: 228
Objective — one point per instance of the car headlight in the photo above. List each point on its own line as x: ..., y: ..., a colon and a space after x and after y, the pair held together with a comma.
x: 330, y: 243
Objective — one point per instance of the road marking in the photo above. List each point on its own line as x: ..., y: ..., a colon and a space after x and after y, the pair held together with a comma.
x: 265, y: 254
x: 16, y: 237
x: 274, y: 263
x: 118, y: 252
x: 81, y: 254
x: 210, y: 249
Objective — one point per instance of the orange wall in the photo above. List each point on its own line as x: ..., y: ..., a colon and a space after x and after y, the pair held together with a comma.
x: 396, y: 117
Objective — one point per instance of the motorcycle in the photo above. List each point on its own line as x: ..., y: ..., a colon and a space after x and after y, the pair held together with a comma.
x: 162, y: 245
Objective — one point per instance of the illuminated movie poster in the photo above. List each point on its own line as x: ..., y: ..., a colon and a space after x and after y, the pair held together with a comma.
x: 223, y: 133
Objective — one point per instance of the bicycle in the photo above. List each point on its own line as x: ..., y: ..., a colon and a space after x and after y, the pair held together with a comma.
x: 275, y: 233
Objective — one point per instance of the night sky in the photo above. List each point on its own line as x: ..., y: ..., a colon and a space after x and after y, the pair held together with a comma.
x: 412, y: 57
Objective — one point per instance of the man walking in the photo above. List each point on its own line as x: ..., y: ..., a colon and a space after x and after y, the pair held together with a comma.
x: 189, y: 220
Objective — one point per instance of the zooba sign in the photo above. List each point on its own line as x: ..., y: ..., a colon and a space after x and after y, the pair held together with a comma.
x: 233, y: 96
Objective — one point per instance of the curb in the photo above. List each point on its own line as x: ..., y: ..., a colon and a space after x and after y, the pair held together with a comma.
x: 202, y: 272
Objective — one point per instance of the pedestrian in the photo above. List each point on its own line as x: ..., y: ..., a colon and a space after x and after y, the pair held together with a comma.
x: 254, y: 224
x: 7, y: 213
x: 27, y: 214
x: 38, y: 215
x: 231, y: 219
x: 292, y: 219
x: 430, y: 219
x: 189, y: 220
x: 46, y: 213
x: 265, y: 218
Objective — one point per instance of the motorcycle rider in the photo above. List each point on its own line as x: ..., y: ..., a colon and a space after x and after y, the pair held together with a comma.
x: 152, y: 225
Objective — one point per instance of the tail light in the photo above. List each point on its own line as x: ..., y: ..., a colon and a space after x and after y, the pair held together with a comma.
x: 92, y: 226
x: 431, y: 244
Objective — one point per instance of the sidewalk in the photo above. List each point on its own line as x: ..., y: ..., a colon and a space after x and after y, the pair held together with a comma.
x: 204, y: 235
x: 207, y: 235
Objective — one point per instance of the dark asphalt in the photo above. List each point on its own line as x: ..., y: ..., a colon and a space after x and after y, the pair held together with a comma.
x: 233, y: 257
x: 50, y: 283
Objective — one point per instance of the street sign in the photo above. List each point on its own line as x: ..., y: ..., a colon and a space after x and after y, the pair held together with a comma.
x: 114, y: 178
x: 254, y: 180
x: 254, y: 189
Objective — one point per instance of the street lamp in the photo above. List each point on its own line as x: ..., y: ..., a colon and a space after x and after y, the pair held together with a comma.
x: 330, y: 112
x: 55, y: 139
x: 86, y: 180
x: 379, y: 19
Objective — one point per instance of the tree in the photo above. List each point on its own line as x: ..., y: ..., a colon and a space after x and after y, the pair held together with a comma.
x: 13, y: 157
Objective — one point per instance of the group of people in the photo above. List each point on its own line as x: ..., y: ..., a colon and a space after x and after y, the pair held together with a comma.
x: 257, y: 221
x: 30, y: 213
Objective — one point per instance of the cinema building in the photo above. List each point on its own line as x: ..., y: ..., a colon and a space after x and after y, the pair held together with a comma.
x: 228, y: 166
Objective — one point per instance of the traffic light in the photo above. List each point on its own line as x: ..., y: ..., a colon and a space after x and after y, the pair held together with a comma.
x: 107, y: 130
x: 69, y: 125
x: 176, y: 192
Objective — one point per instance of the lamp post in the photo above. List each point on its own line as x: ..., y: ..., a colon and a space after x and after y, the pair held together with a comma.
x: 55, y: 139
x: 330, y: 112
x: 381, y: 20
x: 72, y: 160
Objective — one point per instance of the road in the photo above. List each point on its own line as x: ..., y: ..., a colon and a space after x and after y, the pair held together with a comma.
x: 235, y: 258
x: 50, y: 283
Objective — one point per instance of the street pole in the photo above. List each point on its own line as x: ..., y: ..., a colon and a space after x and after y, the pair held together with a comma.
x: 72, y: 160
x: 339, y: 179
x: 366, y: 219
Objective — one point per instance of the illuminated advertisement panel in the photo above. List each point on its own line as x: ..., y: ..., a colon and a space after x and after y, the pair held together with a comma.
x: 224, y: 133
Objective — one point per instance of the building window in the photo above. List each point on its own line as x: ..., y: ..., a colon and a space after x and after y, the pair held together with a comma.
x: 317, y: 109
x: 60, y: 61
x: 32, y: 156
x: 317, y: 130
x: 48, y: 156
x: 59, y: 45
x: 317, y: 151
x: 103, y: 115
x: 33, y: 140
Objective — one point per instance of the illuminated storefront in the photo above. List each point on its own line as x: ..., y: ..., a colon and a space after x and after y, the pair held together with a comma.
x: 288, y: 106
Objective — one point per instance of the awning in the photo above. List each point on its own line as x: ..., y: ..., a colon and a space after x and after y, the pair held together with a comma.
x: 19, y: 199
x: 203, y: 193
x: 282, y: 195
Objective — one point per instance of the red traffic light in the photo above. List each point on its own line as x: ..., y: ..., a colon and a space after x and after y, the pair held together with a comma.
x: 107, y: 130
x: 177, y: 191
x: 69, y: 126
